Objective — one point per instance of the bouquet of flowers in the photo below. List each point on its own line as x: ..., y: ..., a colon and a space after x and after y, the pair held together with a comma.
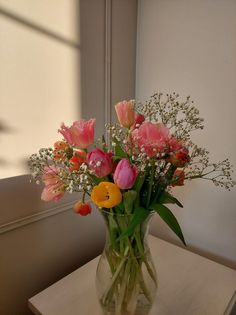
x: 128, y: 176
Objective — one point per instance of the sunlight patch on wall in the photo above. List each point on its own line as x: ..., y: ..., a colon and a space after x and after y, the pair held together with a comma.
x: 39, y: 86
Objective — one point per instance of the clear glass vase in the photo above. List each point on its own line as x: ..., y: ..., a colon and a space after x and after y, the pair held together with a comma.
x: 126, y: 279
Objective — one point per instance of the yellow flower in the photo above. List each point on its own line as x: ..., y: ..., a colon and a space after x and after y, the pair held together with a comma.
x: 106, y: 195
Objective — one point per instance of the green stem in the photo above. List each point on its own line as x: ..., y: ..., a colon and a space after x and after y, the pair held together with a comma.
x: 150, y: 184
x: 116, y: 274
x: 199, y: 176
x: 143, y: 285
x: 110, y: 263
x: 124, y: 284
x: 141, y: 251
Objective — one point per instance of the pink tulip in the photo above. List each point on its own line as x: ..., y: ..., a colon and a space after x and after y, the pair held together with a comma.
x: 125, y: 113
x: 53, y: 192
x: 100, y: 162
x: 125, y: 174
x: 151, y: 137
x: 54, y: 187
x: 50, y: 175
x: 138, y: 120
x: 80, y: 134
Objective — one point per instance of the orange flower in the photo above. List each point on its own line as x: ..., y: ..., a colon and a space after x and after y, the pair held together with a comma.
x: 60, y: 150
x: 78, y: 159
x: 106, y: 195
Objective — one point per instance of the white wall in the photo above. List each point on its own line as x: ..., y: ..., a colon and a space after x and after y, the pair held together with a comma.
x: 190, y: 47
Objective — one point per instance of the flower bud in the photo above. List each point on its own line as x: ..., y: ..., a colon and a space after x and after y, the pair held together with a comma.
x: 125, y: 113
x: 82, y: 208
x: 138, y: 120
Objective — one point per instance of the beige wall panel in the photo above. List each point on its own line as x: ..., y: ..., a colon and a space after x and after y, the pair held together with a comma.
x: 190, y: 47
x: 21, y: 198
x: 58, y: 16
x: 123, y: 47
x: 36, y: 255
x: 92, y: 43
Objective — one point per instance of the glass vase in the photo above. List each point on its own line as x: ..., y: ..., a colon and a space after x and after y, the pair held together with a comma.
x: 126, y: 279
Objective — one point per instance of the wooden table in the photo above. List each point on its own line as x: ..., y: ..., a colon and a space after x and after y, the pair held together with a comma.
x: 188, y: 285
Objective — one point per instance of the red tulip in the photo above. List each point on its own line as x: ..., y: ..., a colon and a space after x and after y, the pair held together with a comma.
x: 138, y: 120
x: 78, y: 159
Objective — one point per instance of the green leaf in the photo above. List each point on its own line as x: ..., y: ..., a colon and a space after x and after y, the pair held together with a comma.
x: 113, y: 231
x: 169, y: 218
x: 119, y: 150
x: 137, y: 187
x: 168, y: 198
x: 116, y: 158
x: 104, y: 146
x: 119, y: 208
x: 96, y: 180
x: 139, y: 215
x: 139, y: 183
x: 128, y: 199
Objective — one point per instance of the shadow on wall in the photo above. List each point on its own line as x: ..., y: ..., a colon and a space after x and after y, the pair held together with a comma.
x: 92, y: 45
x: 5, y: 128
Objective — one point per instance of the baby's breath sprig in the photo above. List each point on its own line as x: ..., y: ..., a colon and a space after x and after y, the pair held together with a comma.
x: 116, y: 131
x: 200, y: 167
x: 181, y: 116
x: 37, y: 163
x: 77, y: 180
